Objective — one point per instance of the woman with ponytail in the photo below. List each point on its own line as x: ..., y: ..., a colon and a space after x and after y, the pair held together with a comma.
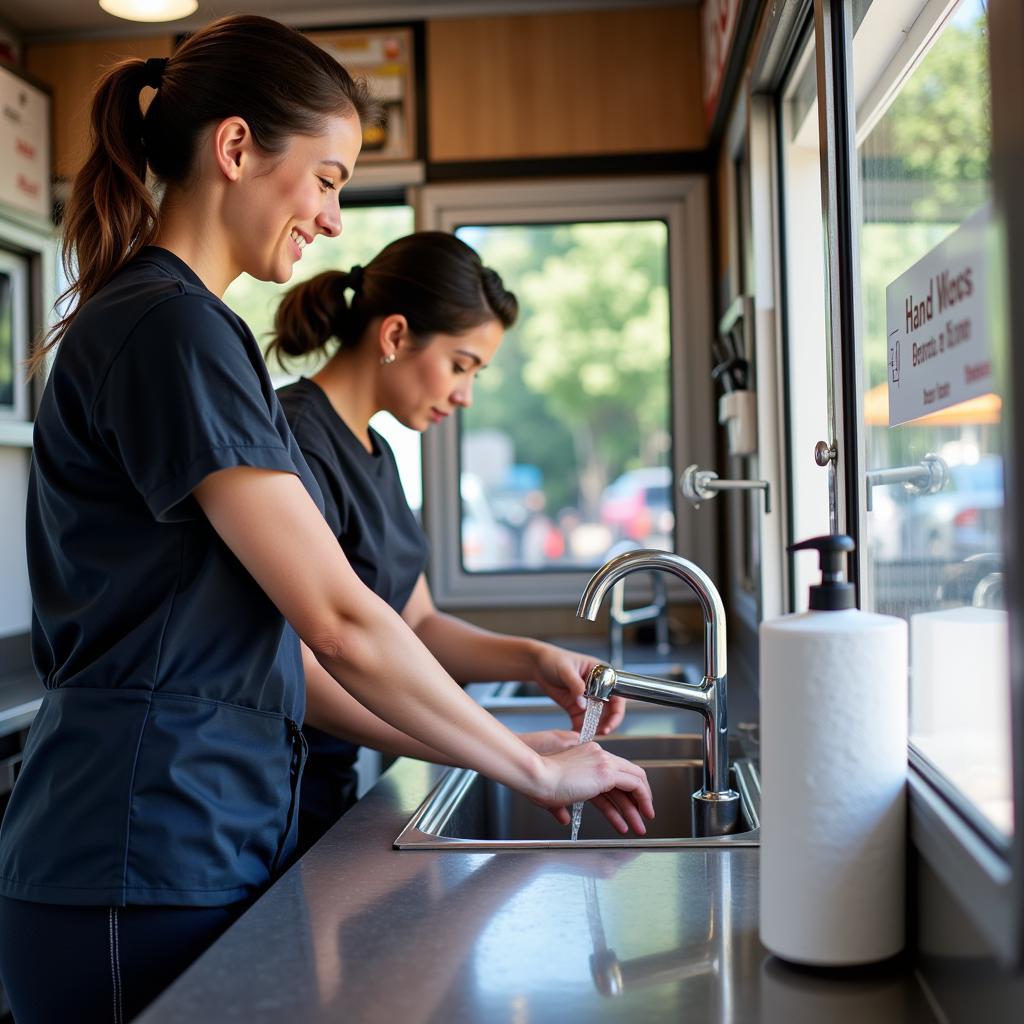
x: 407, y: 334
x: 177, y: 549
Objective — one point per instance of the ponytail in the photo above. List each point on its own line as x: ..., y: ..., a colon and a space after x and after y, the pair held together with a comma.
x: 310, y: 315
x: 111, y: 213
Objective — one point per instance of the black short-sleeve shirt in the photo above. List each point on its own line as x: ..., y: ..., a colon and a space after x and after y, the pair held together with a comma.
x: 364, y: 502
x: 366, y: 507
x: 163, y: 763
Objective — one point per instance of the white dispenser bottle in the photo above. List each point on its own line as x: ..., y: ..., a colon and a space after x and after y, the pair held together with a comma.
x: 833, y: 775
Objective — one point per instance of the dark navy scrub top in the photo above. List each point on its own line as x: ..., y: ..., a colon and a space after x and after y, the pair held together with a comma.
x: 366, y: 507
x: 163, y: 765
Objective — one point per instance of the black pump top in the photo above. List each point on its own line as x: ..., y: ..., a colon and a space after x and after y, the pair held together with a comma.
x: 833, y: 593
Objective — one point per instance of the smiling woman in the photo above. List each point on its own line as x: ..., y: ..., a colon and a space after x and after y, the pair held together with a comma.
x: 155, y: 387
x: 177, y: 548
x: 294, y: 200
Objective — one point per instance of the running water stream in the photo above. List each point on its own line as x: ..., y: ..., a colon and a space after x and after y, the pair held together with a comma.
x: 590, y: 720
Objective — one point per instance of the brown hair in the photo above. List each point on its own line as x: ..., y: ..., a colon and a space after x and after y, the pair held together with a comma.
x: 273, y: 77
x: 437, y: 282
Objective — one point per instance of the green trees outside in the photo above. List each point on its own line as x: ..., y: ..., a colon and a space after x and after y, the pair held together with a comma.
x: 924, y: 167
x: 581, y: 384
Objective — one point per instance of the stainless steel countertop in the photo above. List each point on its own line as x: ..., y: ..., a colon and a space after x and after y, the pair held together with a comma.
x: 358, y: 931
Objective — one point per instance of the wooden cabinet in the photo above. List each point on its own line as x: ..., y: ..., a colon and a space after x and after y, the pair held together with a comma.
x: 71, y: 70
x: 567, y: 84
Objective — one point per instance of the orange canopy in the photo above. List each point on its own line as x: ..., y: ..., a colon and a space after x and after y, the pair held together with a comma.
x: 985, y: 410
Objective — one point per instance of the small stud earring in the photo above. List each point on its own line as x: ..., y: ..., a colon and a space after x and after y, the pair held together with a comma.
x: 388, y: 359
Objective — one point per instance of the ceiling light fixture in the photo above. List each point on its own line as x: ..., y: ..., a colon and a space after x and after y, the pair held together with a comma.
x: 149, y: 10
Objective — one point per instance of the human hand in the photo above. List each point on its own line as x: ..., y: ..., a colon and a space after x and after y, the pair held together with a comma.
x: 550, y: 741
x: 616, y: 787
x: 562, y: 675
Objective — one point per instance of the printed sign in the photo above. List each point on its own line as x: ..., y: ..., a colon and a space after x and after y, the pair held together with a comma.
x: 937, y: 321
x: 24, y: 145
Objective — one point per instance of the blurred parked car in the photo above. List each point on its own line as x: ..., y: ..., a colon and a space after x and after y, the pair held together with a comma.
x: 638, y: 506
x: 963, y: 519
x: 486, y: 543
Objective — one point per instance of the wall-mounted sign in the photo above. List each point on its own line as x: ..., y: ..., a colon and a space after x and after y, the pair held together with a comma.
x: 24, y: 145
x: 718, y: 26
x: 385, y: 58
x: 937, y: 322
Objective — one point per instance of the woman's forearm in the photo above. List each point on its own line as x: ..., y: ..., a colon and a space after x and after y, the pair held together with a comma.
x: 332, y: 709
x: 472, y: 655
x: 387, y: 669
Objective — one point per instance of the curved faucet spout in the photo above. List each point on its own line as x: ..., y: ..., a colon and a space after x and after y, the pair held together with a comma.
x: 715, y: 805
x: 707, y: 594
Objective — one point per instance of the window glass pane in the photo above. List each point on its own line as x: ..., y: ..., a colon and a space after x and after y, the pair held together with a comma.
x: 566, y: 449
x: 934, y: 539
x: 806, y: 338
x: 365, y: 231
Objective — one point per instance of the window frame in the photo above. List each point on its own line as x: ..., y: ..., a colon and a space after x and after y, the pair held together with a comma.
x: 985, y: 874
x: 946, y: 828
x: 679, y: 201
x: 1006, y: 36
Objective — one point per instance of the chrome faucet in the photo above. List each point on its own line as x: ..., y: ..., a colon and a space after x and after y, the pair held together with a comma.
x: 715, y: 806
x: 619, y: 616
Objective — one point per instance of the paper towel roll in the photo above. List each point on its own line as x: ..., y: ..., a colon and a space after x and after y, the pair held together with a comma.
x: 833, y: 767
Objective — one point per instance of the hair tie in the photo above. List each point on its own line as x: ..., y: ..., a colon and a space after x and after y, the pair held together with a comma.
x: 154, y: 70
x: 355, y: 279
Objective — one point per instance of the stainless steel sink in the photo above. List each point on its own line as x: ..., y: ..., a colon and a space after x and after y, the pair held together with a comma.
x: 466, y: 811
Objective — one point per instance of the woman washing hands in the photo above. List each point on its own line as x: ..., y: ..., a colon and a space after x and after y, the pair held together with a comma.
x: 177, y: 548
x: 407, y: 334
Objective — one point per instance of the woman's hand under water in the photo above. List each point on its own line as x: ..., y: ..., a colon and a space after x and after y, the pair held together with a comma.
x: 550, y: 741
x: 616, y: 787
x: 562, y: 675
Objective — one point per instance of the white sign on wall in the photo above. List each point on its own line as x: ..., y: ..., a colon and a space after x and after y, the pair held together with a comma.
x: 24, y: 145
x: 937, y: 322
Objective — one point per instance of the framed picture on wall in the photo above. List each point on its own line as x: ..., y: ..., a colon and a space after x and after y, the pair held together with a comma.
x: 14, y: 334
x: 385, y: 57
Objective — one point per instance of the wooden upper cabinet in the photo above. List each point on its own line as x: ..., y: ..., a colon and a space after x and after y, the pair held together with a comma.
x: 71, y: 70
x: 498, y: 88
x: 567, y: 84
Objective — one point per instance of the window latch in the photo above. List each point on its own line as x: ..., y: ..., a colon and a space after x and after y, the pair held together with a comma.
x: 929, y: 476
x: 697, y: 485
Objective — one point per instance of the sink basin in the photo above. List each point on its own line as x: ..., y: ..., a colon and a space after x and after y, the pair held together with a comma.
x: 469, y: 812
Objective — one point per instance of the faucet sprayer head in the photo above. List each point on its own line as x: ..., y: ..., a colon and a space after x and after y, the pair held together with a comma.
x: 600, y: 683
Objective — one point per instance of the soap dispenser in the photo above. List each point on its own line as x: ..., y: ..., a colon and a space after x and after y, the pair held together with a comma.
x: 833, y: 775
